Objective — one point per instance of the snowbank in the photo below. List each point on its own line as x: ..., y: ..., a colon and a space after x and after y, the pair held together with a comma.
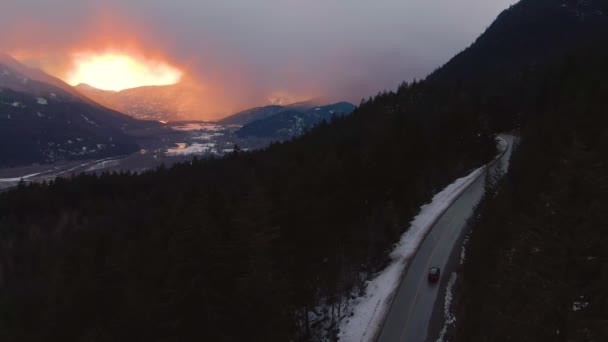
x: 447, y: 302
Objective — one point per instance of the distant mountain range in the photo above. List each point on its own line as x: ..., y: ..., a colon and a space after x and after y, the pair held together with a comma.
x: 43, y: 119
x: 285, y: 122
x: 258, y: 113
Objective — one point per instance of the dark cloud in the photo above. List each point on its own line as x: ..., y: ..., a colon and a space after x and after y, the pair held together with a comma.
x: 250, y: 51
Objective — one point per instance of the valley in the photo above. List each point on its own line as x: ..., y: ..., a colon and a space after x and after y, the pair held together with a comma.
x: 172, y: 143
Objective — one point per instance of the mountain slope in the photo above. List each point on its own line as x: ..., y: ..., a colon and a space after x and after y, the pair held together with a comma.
x: 527, y: 35
x: 536, y: 264
x: 247, y: 116
x: 524, y: 38
x: 38, y: 75
x: 40, y: 122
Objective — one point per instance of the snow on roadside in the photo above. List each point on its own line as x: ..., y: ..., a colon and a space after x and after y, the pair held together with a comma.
x: 369, y: 311
x: 463, y: 250
x: 447, y: 315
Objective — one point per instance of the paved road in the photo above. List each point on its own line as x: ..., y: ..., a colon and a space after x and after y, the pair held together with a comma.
x: 409, y: 316
x: 50, y: 172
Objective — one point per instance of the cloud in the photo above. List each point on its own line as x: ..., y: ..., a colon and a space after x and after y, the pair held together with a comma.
x: 248, y: 51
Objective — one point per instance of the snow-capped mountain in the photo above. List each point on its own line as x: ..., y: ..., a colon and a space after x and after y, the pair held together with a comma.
x: 35, y: 74
x: 42, y: 119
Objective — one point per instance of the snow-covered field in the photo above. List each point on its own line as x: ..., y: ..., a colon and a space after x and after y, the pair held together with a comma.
x: 368, y: 312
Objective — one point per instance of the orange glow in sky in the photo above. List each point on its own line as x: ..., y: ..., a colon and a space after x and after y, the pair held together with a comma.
x: 117, y: 71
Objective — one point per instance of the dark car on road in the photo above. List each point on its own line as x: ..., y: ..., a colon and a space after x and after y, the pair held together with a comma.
x: 434, y: 273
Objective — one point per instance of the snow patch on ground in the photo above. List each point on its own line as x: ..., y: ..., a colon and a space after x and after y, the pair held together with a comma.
x: 447, y: 315
x: 42, y: 101
x: 463, y: 251
x: 369, y: 311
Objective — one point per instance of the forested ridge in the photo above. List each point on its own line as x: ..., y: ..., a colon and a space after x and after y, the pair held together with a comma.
x: 536, y: 267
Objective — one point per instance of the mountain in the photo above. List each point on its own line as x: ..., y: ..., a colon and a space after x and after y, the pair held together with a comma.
x: 36, y: 74
x: 178, y: 102
x: 528, y: 35
x: 45, y: 122
x: 290, y: 123
x: 536, y: 257
x: 303, y: 106
x: 258, y: 113
x: 524, y: 39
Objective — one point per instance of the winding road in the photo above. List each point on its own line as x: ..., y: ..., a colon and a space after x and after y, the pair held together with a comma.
x: 415, y: 300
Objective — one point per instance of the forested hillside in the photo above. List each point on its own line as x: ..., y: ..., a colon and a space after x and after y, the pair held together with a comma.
x: 524, y: 39
x: 536, y: 270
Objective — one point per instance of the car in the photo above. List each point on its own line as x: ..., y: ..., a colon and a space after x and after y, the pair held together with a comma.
x: 434, y: 273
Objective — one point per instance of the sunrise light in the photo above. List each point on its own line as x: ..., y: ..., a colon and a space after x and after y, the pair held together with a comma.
x: 115, y: 71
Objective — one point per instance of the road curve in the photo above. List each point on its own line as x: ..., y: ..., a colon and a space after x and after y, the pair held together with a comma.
x: 415, y: 298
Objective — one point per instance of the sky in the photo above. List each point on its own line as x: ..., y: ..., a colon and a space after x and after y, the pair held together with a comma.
x: 245, y: 53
